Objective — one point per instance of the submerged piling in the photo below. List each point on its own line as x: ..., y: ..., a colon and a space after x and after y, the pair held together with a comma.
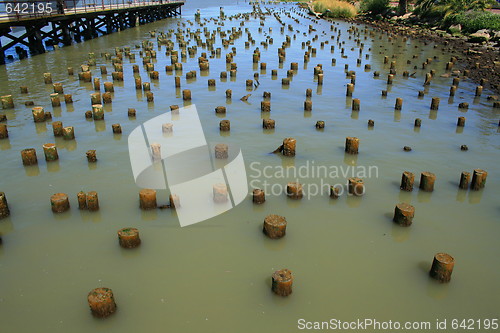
x: 129, y: 238
x: 4, y: 132
x: 478, y: 179
x: 59, y: 202
x: 351, y: 145
x: 407, y: 181
x: 442, y: 267
x: 403, y: 214
x: 147, y: 199
x: 282, y: 281
x: 258, y: 196
x: 28, y: 156
x: 427, y: 180
x: 294, y: 190
x: 275, y: 226
x: 50, y: 152
x: 101, y: 302
x: 464, y: 180
x: 4, y: 206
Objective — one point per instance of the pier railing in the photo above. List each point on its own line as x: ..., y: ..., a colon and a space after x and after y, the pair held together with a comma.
x: 17, y: 10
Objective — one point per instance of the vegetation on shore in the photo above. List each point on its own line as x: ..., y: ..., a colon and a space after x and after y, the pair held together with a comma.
x: 462, y: 16
x: 335, y: 8
x: 472, y: 21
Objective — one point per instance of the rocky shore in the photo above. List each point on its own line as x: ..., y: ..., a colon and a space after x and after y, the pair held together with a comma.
x: 479, y: 55
x: 482, y: 60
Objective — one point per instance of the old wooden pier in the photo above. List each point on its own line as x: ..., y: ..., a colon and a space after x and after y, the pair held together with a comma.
x: 54, y: 22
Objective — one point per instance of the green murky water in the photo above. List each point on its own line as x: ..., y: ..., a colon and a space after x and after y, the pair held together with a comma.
x: 349, y: 260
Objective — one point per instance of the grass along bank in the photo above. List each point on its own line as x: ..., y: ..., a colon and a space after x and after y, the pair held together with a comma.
x: 335, y: 8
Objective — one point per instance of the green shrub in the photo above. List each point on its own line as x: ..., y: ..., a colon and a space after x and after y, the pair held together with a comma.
x: 375, y: 6
x: 473, y: 21
x: 429, y: 9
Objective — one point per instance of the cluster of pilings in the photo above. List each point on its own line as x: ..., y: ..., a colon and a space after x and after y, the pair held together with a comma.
x: 101, y: 300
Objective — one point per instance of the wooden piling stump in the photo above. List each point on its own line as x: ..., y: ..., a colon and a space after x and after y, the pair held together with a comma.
x: 265, y: 106
x: 147, y: 199
x: 403, y: 214
x: 282, y: 281
x: 69, y: 133
x: 225, y: 125
x: 4, y: 207
x: 117, y: 129
x: 58, y: 88
x: 275, y: 226
x: 220, y: 194
x: 351, y: 145
x: 442, y: 267
x: 220, y: 110
x: 355, y: 104
x: 221, y: 151
x: 167, y: 128
x: 59, y: 202
x: 54, y: 99
x: 47, y: 78
x: 129, y: 238
x: 356, y: 186
x: 334, y: 192
x: 28, y: 156
x: 101, y: 302
x: 479, y: 91
x: 320, y: 124
x: 50, y: 152
x: 453, y: 90
x: 109, y: 87
x: 186, y: 95
x: 399, y: 104
x: 156, y: 152
x: 258, y: 196
x: 92, y: 201
x: 91, y: 156
x: 38, y: 114
x: 390, y: 78
x: 294, y: 190
x: 464, y: 180
x: 350, y: 89
x: 418, y: 122
x: 435, y: 103
x: 95, y: 98
x: 97, y: 112
x: 174, y: 201
x: 478, y: 179
x: 82, y: 200
x: 289, y: 145
x: 268, y: 123
x: 461, y: 121
x: 4, y: 132
x: 107, y: 98
x: 407, y: 181
x: 427, y: 180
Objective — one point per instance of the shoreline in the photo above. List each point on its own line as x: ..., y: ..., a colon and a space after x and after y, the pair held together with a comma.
x: 482, y: 61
